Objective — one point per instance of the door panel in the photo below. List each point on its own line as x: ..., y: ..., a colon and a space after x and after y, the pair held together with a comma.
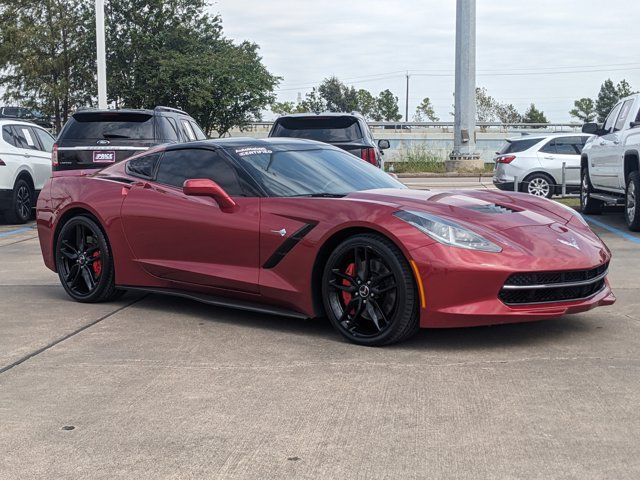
x: 189, y: 239
x: 601, y: 151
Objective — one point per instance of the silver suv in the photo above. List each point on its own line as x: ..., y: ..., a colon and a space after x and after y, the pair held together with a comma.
x: 536, y: 163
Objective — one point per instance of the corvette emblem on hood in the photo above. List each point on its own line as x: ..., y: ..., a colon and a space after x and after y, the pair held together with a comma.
x: 570, y: 243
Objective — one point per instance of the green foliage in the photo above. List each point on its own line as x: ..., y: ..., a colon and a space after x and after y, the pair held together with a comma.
x: 313, y: 102
x: 338, y: 96
x: 419, y: 159
x: 507, y: 113
x: 46, y: 61
x: 425, y: 111
x: 284, y: 108
x: 533, y: 115
x: 387, y: 107
x: 485, y: 106
x: 367, y: 104
x: 607, y: 98
x: 584, y: 110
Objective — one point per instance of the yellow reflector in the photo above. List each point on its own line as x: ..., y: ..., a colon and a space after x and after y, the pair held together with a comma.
x: 416, y: 273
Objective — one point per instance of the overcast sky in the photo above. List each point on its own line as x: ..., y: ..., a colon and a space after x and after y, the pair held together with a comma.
x: 549, y: 52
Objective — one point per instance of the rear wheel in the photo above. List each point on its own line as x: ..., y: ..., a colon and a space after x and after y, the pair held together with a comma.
x: 539, y: 184
x: 631, y: 210
x: 21, y: 202
x: 588, y: 204
x: 369, y: 293
x: 84, y: 262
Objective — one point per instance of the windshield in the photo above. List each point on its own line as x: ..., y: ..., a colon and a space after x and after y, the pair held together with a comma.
x: 323, y: 129
x: 316, y: 172
x: 99, y: 125
x: 514, y: 146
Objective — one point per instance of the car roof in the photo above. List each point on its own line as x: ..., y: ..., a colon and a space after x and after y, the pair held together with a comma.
x: 237, y: 142
x: 320, y: 115
x: 547, y: 136
x: 15, y: 121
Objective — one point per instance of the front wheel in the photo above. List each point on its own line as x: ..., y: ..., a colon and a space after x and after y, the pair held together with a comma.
x: 631, y: 210
x: 84, y: 261
x: 369, y: 293
x: 588, y: 204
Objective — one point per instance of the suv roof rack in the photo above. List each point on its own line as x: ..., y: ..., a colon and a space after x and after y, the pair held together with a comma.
x: 161, y: 108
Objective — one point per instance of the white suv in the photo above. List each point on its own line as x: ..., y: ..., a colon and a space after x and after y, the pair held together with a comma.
x: 25, y: 165
x: 536, y: 162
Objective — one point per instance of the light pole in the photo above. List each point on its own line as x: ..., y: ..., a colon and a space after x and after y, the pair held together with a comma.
x: 101, y: 56
x: 464, y: 155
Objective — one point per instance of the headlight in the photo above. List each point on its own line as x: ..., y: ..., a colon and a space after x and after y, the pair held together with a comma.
x: 447, y: 232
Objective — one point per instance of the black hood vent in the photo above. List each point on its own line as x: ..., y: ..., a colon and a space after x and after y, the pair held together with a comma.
x: 492, y: 209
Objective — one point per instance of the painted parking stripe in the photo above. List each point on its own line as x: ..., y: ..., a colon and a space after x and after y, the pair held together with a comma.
x: 614, y: 230
x: 16, y: 231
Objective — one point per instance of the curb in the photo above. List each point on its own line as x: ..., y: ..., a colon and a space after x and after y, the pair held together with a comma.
x: 444, y: 175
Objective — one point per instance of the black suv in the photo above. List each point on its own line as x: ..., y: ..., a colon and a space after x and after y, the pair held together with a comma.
x: 348, y: 131
x: 94, y: 138
x: 26, y: 114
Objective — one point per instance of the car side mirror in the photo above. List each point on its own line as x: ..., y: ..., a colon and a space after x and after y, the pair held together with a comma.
x: 203, y: 187
x: 384, y: 144
x: 591, y: 128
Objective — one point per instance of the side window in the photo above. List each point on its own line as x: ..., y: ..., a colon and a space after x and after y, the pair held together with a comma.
x: 622, y: 117
x: 177, y: 166
x: 566, y: 145
x: 613, y: 115
x: 549, y: 147
x: 25, y: 137
x: 186, y: 127
x: 198, y: 131
x: 8, y: 135
x: 46, y: 140
x: 168, y: 130
x: 143, y: 166
x: 10, y: 111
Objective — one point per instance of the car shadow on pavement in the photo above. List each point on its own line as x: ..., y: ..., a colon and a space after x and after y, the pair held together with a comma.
x: 496, y: 336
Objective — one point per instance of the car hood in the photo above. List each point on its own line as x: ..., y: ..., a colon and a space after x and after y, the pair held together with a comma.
x: 494, y: 211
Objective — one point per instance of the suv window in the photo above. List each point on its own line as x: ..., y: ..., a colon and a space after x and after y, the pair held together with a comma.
x: 46, y: 140
x: 168, y: 129
x: 608, y: 123
x: 568, y: 145
x: 121, y: 125
x: 622, y: 116
x: 143, y: 166
x: 8, y: 135
x: 188, y: 130
x: 323, y: 129
x: 198, y: 131
x: 514, y: 146
x: 25, y: 138
x: 10, y: 111
x: 176, y: 166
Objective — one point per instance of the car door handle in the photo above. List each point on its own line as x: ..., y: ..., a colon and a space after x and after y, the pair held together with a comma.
x: 548, y: 158
x: 616, y: 142
x: 602, y: 142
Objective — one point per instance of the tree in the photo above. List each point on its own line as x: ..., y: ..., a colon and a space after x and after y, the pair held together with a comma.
x: 485, y: 106
x: 45, y: 60
x: 338, y: 96
x: 507, y: 113
x: 533, y: 115
x: 367, y: 104
x: 584, y: 110
x: 425, y: 111
x: 387, y: 107
x: 624, y: 89
x: 313, y: 102
x: 283, y: 108
x: 607, y: 98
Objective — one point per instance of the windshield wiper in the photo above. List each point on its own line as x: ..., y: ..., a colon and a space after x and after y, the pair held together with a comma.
x: 321, y: 195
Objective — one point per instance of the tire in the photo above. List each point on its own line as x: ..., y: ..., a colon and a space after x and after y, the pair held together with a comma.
x: 369, y: 293
x: 84, y: 262
x: 588, y: 205
x: 631, y: 210
x: 539, y: 184
x: 19, y: 211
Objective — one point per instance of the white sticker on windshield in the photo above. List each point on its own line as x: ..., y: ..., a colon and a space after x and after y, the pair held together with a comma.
x: 27, y: 137
x: 244, y: 151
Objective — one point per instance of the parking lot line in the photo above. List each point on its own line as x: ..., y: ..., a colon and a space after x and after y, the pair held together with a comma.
x: 614, y: 230
x: 15, y: 232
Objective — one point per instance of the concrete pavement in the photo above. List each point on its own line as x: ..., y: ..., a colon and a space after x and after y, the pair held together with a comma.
x: 156, y: 387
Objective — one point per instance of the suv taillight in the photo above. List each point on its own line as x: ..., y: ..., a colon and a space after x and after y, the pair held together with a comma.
x: 54, y: 155
x: 369, y: 155
x: 506, y: 159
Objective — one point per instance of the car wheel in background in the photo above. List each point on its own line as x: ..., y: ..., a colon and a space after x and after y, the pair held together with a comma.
x: 368, y: 291
x: 539, y: 184
x: 21, y: 203
x: 588, y: 205
x: 631, y: 210
x: 84, y: 262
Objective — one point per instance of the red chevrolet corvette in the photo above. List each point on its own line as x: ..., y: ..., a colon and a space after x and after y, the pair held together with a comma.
x: 303, y: 229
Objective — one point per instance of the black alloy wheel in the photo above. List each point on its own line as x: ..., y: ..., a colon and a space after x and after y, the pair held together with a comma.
x: 20, y: 209
x: 369, y: 293
x: 83, y: 261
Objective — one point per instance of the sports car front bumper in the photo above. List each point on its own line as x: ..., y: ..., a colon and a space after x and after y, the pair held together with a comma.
x: 462, y: 288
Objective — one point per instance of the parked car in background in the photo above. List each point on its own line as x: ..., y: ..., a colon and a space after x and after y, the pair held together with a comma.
x: 536, y: 163
x: 610, y: 163
x: 26, y: 114
x: 95, y: 138
x: 25, y: 165
x: 348, y: 131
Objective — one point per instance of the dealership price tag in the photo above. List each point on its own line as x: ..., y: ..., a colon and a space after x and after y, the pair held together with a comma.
x: 104, y: 157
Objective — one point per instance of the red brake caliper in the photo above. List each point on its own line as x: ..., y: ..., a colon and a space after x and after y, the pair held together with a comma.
x: 346, y: 296
x: 97, y: 264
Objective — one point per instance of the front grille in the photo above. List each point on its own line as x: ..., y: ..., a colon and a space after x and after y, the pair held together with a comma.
x: 546, y: 287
